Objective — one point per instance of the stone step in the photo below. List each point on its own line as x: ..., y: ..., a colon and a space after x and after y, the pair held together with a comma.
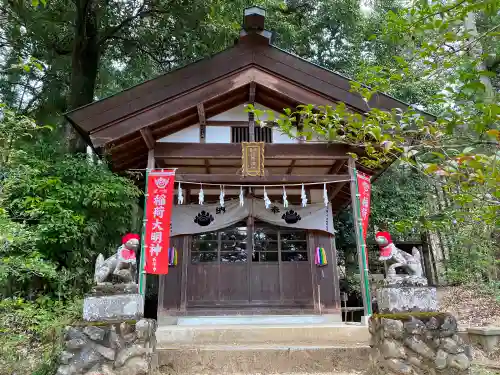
x: 311, y: 334
x: 263, y: 359
x: 257, y: 319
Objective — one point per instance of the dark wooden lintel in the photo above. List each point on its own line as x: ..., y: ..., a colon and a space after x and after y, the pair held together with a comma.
x: 233, y: 151
x: 148, y: 138
x: 227, y: 123
x: 268, y: 180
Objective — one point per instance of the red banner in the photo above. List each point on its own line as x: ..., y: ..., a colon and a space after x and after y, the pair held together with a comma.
x: 364, y: 190
x: 160, y: 192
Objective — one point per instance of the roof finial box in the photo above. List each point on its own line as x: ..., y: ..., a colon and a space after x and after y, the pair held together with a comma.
x: 254, y: 19
x: 253, y: 24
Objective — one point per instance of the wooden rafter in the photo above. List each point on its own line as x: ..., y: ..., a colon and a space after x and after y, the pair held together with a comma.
x: 207, y: 166
x: 290, y: 167
x: 203, y: 122
x: 148, y: 138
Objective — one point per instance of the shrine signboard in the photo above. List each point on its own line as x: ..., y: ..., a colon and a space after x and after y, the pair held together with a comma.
x: 252, y: 158
x: 158, y: 213
x: 364, y: 190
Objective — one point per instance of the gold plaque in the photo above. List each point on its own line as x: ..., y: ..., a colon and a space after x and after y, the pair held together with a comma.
x: 252, y: 158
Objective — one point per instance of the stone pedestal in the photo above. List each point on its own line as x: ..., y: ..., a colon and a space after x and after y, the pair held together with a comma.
x: 113, y: 308
x: 397, y: 299
x: 125, y: 348
x: 409, y: 336
x: 113, y: 302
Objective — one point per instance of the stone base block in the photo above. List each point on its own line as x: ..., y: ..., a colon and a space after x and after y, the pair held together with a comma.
x: 488, y: 338
x: 404, y: 280
x: 418, y: 344
x: 112, y: 308
x: 407, y: 299
x: 106, y: 348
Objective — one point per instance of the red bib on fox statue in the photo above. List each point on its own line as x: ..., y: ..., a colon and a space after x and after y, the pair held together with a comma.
x: 385, y: 244
x: 126, y: 252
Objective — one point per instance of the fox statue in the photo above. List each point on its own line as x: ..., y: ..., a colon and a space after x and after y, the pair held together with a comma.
x: 122, y: 265
x: 388, y: 251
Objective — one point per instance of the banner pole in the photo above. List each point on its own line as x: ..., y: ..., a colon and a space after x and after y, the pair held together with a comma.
x: 142, y: 272
x: 363, y: 258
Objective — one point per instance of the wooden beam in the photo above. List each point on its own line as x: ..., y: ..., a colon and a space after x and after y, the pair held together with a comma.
x: 336, y: 190
x: 251, y: 116
x: 336, y: 167
x: 290, y: 168
x: 203, y: 122
x: 151, y: 159
x: 207, y: 166
x: 251, y: 94
x: 269, y: 180
x: 148, y: 138
x: 227, y: 123
x: 315, y: 151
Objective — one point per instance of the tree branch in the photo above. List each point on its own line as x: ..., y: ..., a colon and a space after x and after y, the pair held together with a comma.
x: 112, y: 30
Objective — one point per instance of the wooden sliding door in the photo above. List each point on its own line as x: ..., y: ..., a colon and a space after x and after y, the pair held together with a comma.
x: 250, y: 264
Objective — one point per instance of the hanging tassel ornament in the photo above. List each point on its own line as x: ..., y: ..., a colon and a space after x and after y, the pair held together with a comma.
x: 242, y: 199
x: 221, y: 196
x: 180, y: 197
x: 285, y: 201
x: 325, y: 195
x: 303, y: 196
x: 267, y: 201
x: 201, y: 195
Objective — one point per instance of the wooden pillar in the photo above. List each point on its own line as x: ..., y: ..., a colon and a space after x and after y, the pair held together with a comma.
x: 185, y: 260
x: 336, y: 281
x: 360, y: 246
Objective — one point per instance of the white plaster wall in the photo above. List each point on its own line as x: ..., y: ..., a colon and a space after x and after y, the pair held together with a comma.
x: 187, y: 135
x: 279, y: 137
x: 238, y: 114
x: 234, y: 114
x: 218, y: 134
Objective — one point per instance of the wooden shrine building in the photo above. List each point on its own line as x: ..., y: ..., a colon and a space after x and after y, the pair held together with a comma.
x: 194, y: 119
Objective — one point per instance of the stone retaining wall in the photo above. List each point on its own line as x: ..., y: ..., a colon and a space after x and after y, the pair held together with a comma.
x: 418, y: 344
x: 121, y: 348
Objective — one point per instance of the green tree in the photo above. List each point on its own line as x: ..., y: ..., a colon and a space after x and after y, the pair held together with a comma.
x: 454, y: 43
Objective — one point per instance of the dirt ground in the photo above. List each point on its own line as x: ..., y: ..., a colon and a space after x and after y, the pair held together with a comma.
x: 471, y: 307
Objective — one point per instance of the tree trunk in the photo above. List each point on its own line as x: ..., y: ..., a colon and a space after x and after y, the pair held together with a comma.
x: 84, y: 67
x: 476, y: 51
